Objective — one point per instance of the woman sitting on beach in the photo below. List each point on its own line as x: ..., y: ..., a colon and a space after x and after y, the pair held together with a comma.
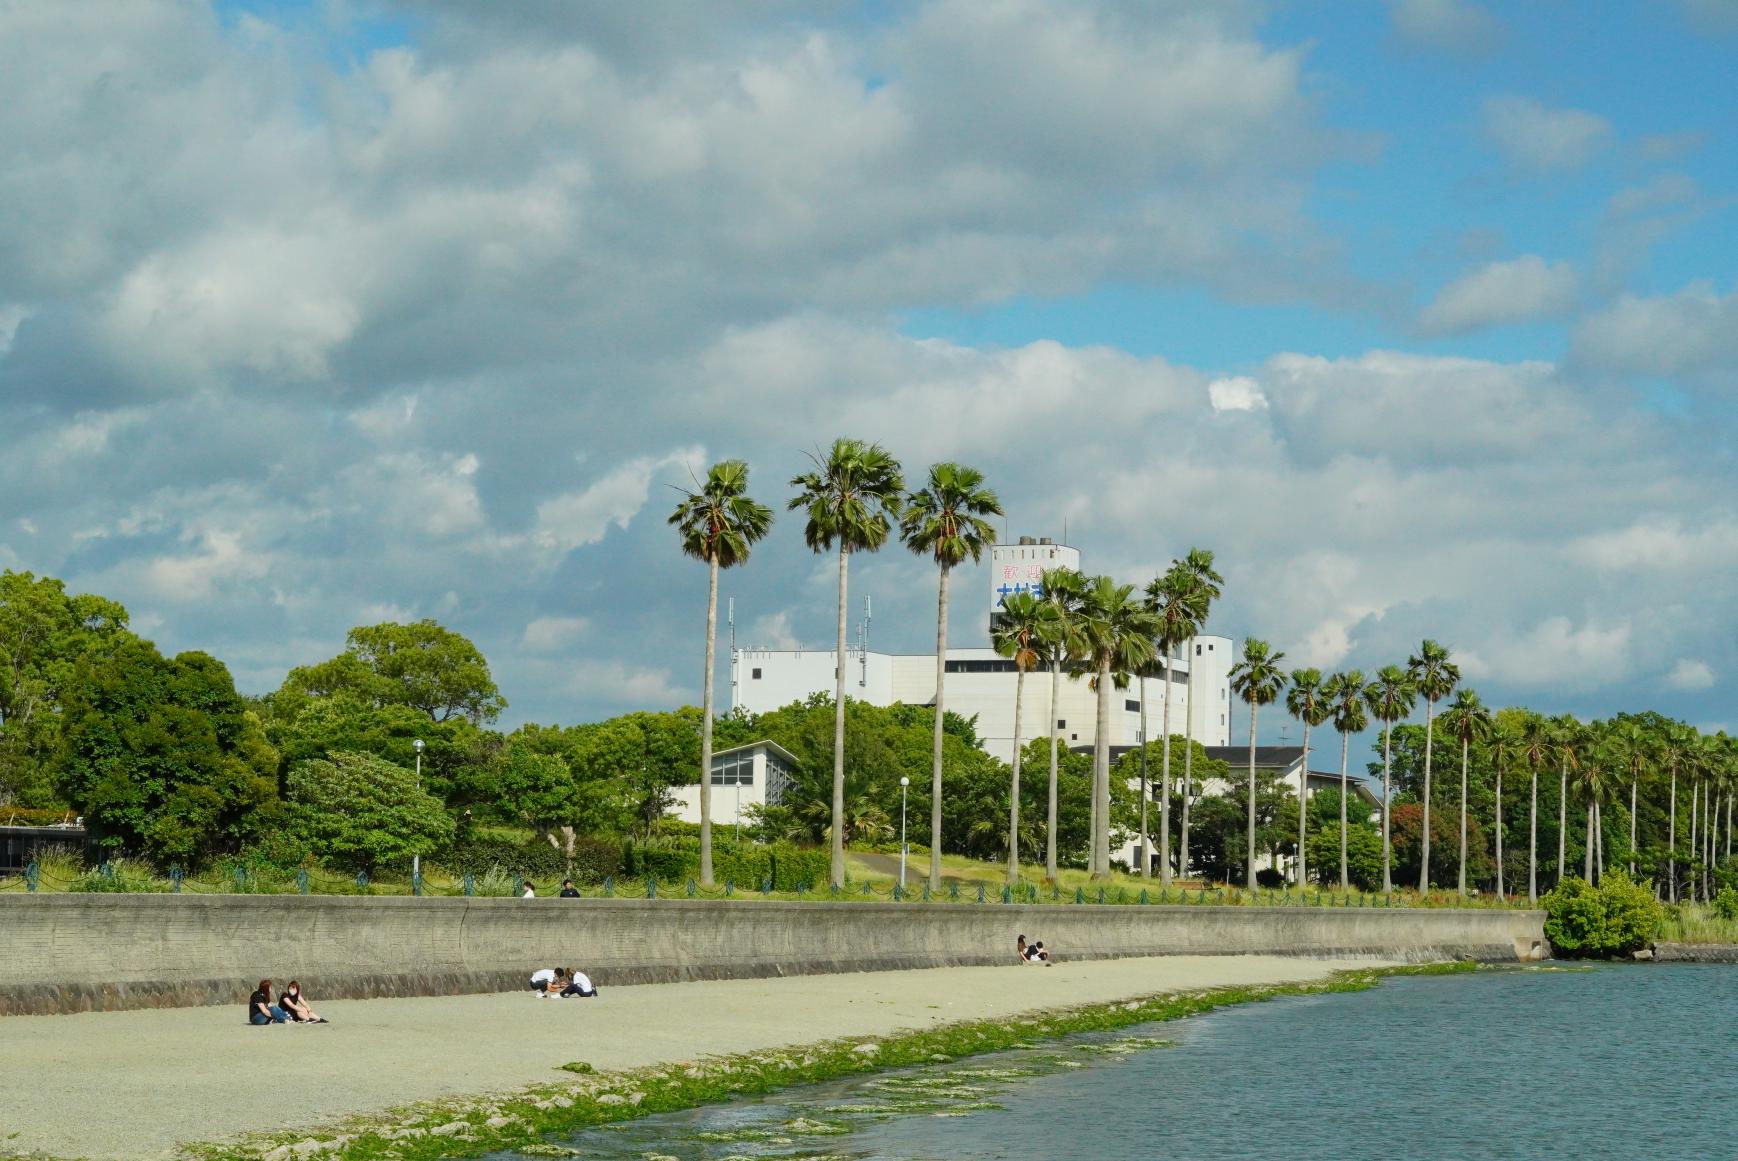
x: 295, y: 1005
x: 260, y: 1009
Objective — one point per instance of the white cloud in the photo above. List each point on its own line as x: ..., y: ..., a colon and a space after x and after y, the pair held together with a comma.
x: 1448, y: 25
x: 547, y: 634
x: 1554, y: 654
x: 1692, y: 332
x: 1690, y: 675
x: 772, y: 631
x: 1661, y: 544
x: 1518, y: 290
x: 575, y: 519
x: 1536, y: 138
x: 1237, y: 393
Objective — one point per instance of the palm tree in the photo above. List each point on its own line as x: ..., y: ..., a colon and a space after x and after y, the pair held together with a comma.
x: 1390, y: 698
x: 1178, y: 600
x: 1633, y: 746
x: 1679, y: 739
x: 1537, y: 741
x: 852, y: 498
x: 1064, y: 591
x: 1434, y: 676
x: 1566, y: 737
x: 1199, y: 565
x: 1119, y: 635
x: 1502, y: 750
x: 1257, y: 679
x: 1306, y: 702
x: 1019, y: 631
x: 1467, y: 720
x: 717, y: 524
x: 945, y: 521
x: 1344, y: 693
x: 1592, y: 784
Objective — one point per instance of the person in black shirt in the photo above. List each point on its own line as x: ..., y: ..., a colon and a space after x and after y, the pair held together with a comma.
x: 260, y: 1009
x: 296, y: 1006
x: 568, y: 890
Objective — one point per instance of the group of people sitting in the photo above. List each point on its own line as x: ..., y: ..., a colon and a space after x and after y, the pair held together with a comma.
x: 1033, y: 952
x: 290, y: 1008
x: 558, y: 981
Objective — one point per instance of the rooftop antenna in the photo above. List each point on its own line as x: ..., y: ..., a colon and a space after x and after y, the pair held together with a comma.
x: 1065, y: 530
x: 863, y: 643
x: 730, y: 615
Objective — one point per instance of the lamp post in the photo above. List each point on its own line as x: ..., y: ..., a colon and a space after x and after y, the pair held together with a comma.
x: 904, y: 783
x: 416, y: 860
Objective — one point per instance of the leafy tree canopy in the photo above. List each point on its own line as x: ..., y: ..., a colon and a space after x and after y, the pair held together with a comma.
x: 363, y: 814
x: 424, y: 666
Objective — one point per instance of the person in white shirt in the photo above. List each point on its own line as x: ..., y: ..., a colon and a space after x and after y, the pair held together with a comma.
x: 547, y: 981
x: 530, y: 892
x: 579, y: 985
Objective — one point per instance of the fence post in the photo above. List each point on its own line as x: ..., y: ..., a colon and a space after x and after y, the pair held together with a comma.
x: 175, y: 878
x: 1080, y: 895
x: 896, y: 892
x: 833, y: 890
x: 470, y: 883
x: 416, y: 883
x: 1007, y: 894
x: 1055, y: 892
x: 692, y: 886
x: 107, y: 870
x: 1144, y: 898
x: 953, y: 890
x: 729, y: 888
x: 651, y: 887
x: 362, y: 880
x: 926, y: 895
x: 32, y: 876
x: 801, y: 887
x: 301, y: 881
x: 1101, y: 895
x: 766, y: 885
x: 866, y: 891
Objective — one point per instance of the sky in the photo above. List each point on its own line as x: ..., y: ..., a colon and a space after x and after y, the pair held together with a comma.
x: 1421, y: 314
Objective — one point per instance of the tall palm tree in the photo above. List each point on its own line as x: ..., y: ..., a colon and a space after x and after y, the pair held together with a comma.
x: 1592, y: 781
x: 1306, y: 701
x: 1065, y: 592
x: 1566, y: 738
x: 1467, y: 720
x: 852, y: 499
x: 1390, y: 698
x: 1199, y: 564
x: 1119, y: 635
x: 1537, y: 744
x: 1179, y: 601
x: 1434, y: 676
x: 946, y: 521
x: 717, y: 524
x: 1344, y: 692
x: 1679, y: 738
x: 1257, y: 679
x: 1632, y: 746
x: 1019, y: 631
x: 1503, y: 747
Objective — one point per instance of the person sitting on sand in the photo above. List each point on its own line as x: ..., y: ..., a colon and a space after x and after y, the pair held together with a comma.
x: 547, y: 981
x: 295, y: 1005
x: 1022, y: 949
x: 579, y: 984
x: 260, y: 1009
x: 1041, y: 955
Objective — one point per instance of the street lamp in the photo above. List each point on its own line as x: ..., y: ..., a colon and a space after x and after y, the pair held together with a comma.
x: 903, y: 784
x: 416, y: 860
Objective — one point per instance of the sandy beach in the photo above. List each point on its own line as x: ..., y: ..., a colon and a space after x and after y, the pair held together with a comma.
x: 137, y: 1084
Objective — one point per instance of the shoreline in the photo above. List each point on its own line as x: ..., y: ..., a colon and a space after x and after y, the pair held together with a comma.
x: 455, y: 1076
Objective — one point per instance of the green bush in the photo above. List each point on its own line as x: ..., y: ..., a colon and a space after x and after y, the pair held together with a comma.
x: 1615, y: 918
x: 595, y: 859
x: 667, y: 860
x: 787, y: 865
x: 481, y: 854
x: 1726, y: 903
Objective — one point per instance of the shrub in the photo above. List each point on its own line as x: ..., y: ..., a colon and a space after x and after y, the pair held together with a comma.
x: 670, y: 860
x: 1615, y: 918
x: 1270, y: 878
x: 595, y: 859
x: 1726, y: 903
x: 482, y: 854
x: 787, y: 865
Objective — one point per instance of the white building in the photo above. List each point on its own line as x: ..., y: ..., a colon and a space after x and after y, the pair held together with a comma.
x: 742, y: 776
x: 980, y: 683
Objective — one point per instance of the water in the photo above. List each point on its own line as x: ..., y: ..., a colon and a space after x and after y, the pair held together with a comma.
x: 1608, y: 1062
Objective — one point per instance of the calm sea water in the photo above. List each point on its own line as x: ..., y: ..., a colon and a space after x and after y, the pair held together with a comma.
x: 1608, y: 1062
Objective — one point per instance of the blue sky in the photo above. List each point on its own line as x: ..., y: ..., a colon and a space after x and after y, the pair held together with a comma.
x: 1423, y: 314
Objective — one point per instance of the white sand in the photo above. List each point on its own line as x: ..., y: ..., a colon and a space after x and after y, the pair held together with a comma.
x: 136, y: 1084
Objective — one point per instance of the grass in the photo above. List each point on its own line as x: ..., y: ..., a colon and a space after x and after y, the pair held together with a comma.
x: 1697, y: 923
x: 527, y: 1119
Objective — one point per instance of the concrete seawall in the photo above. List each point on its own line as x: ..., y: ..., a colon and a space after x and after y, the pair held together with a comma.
x: 72, y: 953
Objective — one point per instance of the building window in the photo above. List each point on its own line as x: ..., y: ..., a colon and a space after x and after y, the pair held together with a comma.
x: 981, y: 667
x: 1132, y: 706
x: 756, y: 675
x: 733, y: 769
x: 1062, y: 723
x: 1197, y: 651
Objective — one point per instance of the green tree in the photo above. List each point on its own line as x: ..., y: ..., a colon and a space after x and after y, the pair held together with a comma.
x: 946, y: 521
x: 1567, y: 739
x: 1344, y: 693
x: 1065, y: 645
x: 1434, y: 676
x: 851, y: 498
x: 424, y: 666
x: 1308, y: 702
x: 1257, y: 679
x: 718, y: 523
x: 359, y: 813
x: 1467, y: 721
x: 1615, y: 918
x: 1020, y: 629
x: 1537, y: 745
x: 1389, y: 698
x: 1119, y: 635
x: 162, y: 756
x: 1179, y: 600
x: 1198, y: 564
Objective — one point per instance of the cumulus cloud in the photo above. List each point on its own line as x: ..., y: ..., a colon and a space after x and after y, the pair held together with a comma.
x: 1454, y: 26
x: 1690, y: 675
x: 1536, y: 138
x: 1518, y: 290
x: 1692, y: 332
x: 1236, y: 393
x: 547, y: 634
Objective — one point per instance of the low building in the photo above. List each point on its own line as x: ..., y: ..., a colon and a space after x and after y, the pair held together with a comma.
x: 20, y: 845
x: 757, y: 774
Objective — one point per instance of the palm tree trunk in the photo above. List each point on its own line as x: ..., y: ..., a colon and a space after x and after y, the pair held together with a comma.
x: 1497, y: 825
x: 1533, y: 841
x: 1695, y: 840
x: 1599, y: 825
x: 935, y: 755
x: 1562, y: 813
x: 1101, y: 776
x: 1146, y: 859
x: 1188, y: 764
x: 1303, y: 783
x: 1345, y: 788
x: 1632, y: 782
x: 1672, y: 843
x: 1055, y: 740
x: 1165, y: 783
x: 1728, y: 853
x: 1014, y: 788
x: 706, y: 726
x: 838, y: 836
x: 1587, y: 869
x: 1387, y: 806
x: 1249, y: 868
x: 1424, y: 849
x: 1460, y: 880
